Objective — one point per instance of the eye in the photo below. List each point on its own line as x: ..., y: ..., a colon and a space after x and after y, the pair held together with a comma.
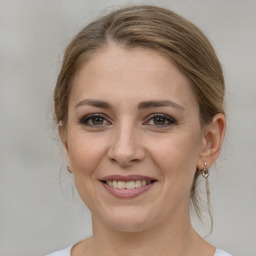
x: 95, y: 120
x: 160, y: 120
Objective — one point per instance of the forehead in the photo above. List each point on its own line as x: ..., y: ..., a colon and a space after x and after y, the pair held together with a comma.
x: 137, y: 74
x: 116, y: 61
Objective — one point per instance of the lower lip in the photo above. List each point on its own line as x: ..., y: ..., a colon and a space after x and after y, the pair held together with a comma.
x: 128, y: 193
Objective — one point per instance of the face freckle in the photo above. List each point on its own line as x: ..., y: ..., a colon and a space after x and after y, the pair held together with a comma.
x: 132, y: 112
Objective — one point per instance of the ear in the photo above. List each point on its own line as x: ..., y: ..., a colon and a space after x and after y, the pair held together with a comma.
x: 63, y: 136
x: 213, y: 135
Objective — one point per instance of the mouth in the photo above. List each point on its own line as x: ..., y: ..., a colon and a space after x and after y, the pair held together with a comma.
x: 127, y: 186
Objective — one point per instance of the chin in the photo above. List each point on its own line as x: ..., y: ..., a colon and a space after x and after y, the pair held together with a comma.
x: 128, y: 220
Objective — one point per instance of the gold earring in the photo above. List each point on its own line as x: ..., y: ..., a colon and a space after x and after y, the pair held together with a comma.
x: 68, y: 167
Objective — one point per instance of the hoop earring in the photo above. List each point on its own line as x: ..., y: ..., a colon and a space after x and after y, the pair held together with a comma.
x: 68, y: 167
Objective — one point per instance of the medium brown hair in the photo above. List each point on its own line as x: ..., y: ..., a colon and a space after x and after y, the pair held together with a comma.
x: 158, y: 29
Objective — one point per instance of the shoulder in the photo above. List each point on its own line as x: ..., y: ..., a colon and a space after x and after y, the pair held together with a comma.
x: 65, y: 252
x: 221, y: 253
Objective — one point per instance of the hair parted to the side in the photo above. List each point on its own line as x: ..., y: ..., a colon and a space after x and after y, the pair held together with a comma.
x: 157, y: 29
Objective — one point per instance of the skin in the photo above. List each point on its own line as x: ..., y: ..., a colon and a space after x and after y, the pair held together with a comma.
x: 127, y: 139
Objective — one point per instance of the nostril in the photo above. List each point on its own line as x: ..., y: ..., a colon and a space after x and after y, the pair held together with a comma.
x: 123, y: 162
x: 125, y: 150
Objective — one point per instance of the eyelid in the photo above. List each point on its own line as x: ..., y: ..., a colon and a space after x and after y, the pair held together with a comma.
x: 171, y: 120
x: 85, y: 118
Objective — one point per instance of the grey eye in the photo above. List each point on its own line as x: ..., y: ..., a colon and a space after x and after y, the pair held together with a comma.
x: 97, y: 120
x: 94, y: 120
x: 160, y: 120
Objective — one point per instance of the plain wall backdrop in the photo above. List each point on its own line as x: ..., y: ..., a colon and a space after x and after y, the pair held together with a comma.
x: 40, y: 210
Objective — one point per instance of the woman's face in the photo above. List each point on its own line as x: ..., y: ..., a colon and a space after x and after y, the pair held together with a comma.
x: 133, y: 138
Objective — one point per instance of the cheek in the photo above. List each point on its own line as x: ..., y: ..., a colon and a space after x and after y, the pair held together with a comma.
x: 85, y: 153
x: 176, y: 160
x: 176, y: 157
x: 177, y: 150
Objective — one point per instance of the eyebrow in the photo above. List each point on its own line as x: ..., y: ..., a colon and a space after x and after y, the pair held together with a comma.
x: 142, y: 105
x: 94, y: 103
x: 157, y: 103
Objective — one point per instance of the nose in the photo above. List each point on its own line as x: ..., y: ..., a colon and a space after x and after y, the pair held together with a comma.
x: 126, y: 148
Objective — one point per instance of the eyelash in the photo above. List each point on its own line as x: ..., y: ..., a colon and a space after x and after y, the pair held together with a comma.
x: 87, y: 120
x: 170, y: 121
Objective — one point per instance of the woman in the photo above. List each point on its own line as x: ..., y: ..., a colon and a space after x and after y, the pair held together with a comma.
x: 139, y: 103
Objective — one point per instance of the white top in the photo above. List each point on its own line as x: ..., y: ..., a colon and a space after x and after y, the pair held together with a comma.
x: 66, y: 252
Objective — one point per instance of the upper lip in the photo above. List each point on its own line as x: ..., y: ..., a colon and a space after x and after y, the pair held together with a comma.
x: 126, y: 177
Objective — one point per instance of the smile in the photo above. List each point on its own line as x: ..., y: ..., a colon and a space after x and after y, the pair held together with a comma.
x: 127, y: 186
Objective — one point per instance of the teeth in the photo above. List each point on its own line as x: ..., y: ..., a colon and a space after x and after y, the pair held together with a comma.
x: 137, y: 183
x: 110, y: 183
x: 114, y: 184
x: 128, y: 184
x: 121, y: 184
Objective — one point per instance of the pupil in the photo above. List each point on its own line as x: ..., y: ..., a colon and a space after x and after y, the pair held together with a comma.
x: 97, y: 120
x: 159, y: 120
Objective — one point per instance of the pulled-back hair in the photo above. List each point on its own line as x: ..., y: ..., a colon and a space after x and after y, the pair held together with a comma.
x: 158, y: 29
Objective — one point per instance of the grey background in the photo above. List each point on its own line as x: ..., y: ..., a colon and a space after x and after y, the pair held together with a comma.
x: 40, y: 211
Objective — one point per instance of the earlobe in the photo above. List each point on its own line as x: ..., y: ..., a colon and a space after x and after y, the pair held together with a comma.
x: 213, y: 135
